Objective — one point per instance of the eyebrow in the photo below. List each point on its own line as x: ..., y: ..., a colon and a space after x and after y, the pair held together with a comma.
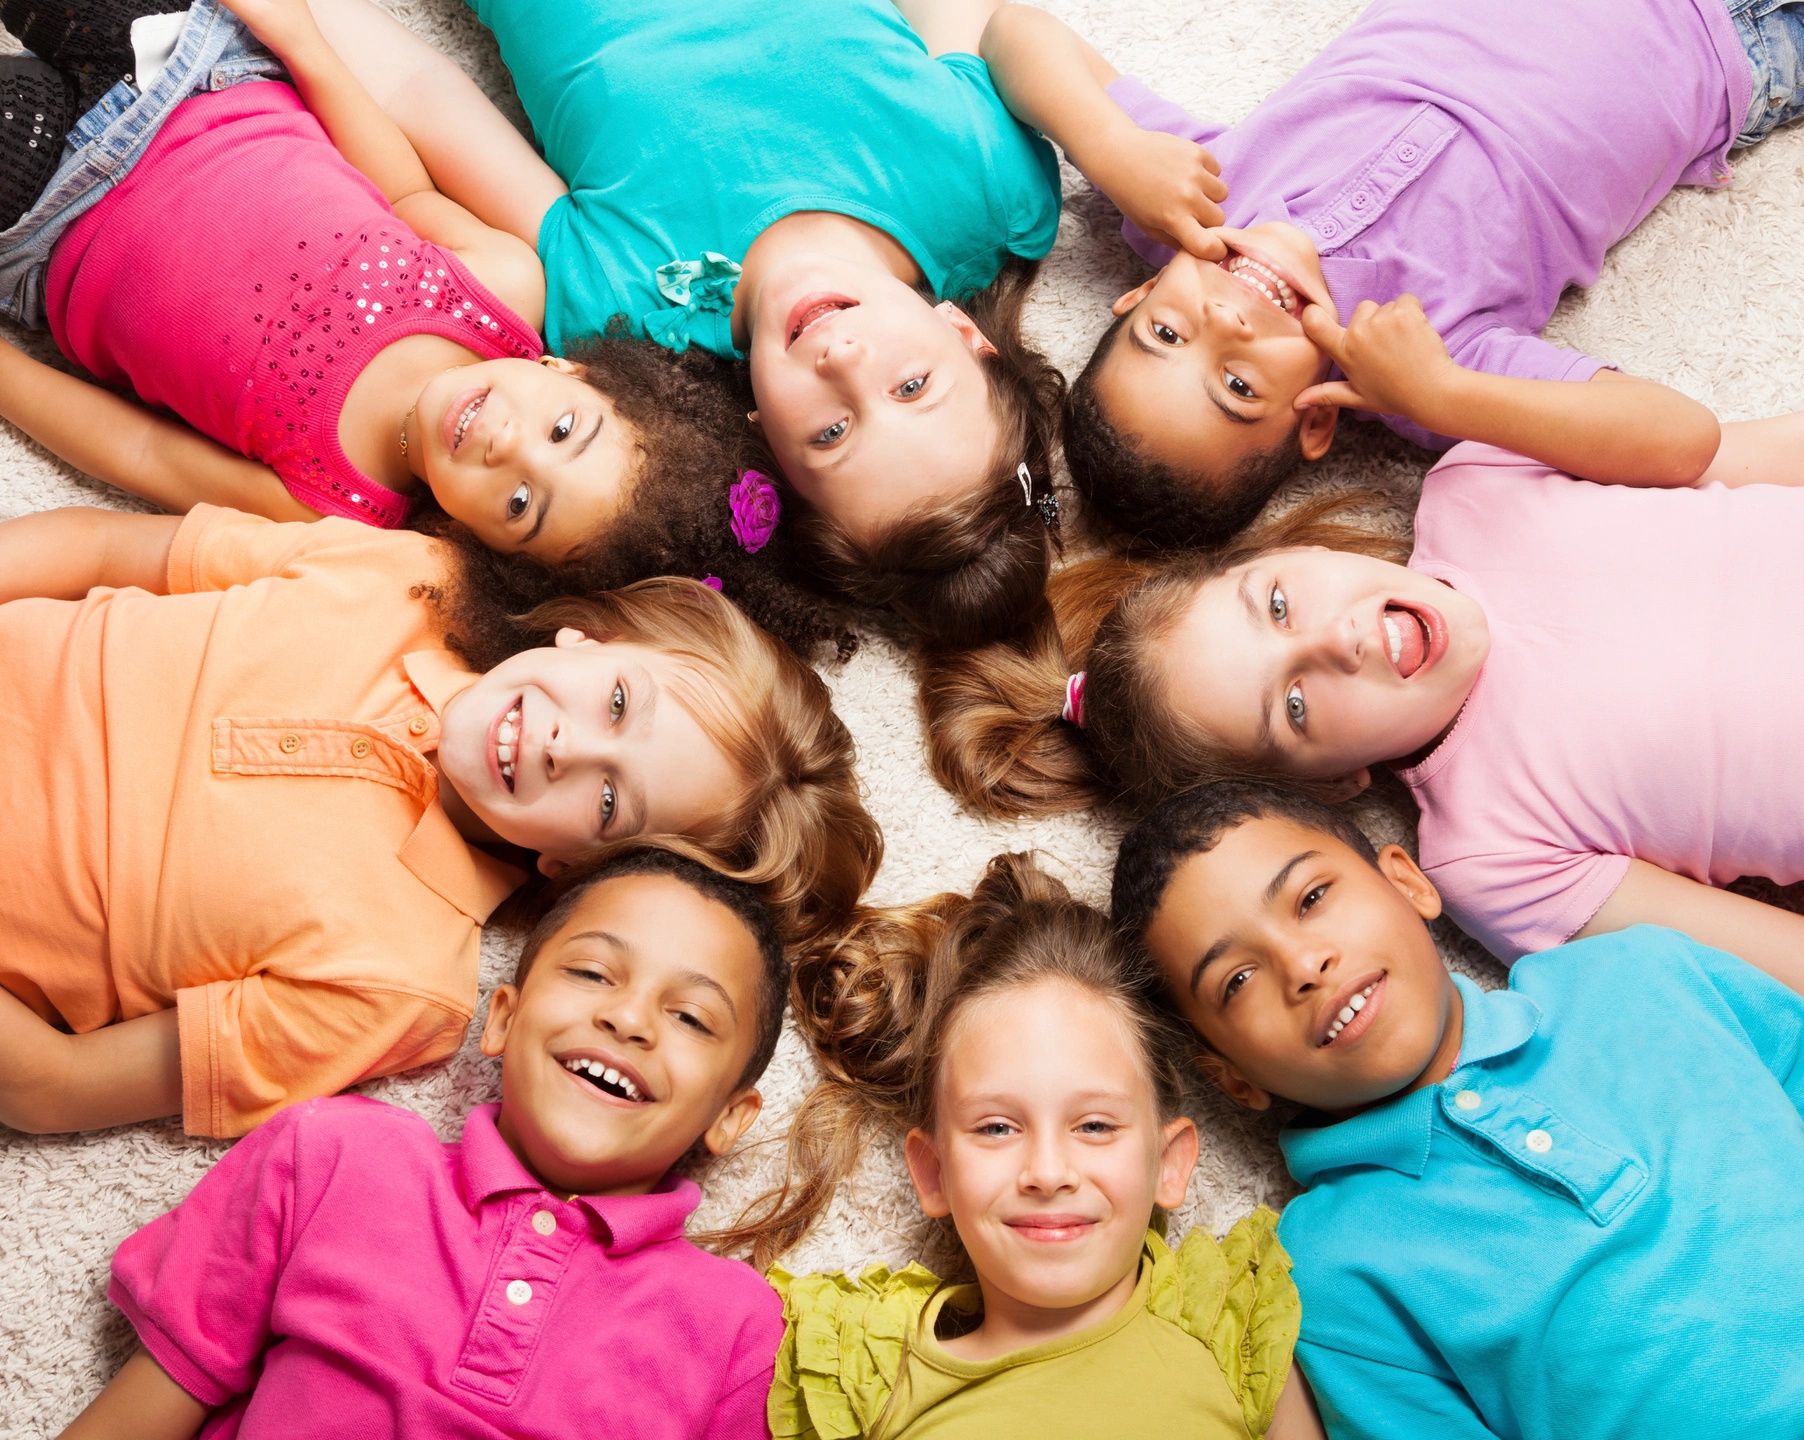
x: 1272, y: 891
x: 708, y: 982
x: 1228, y: 410
x: 647, y: 691
x: 1266, y: 739
x: 1158, y: 352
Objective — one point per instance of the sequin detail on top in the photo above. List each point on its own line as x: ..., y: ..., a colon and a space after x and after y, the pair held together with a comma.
x: 242, y: 274
x: 388, y: 283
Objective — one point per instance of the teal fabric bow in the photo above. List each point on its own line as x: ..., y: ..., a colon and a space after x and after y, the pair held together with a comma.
x: 692, y: 286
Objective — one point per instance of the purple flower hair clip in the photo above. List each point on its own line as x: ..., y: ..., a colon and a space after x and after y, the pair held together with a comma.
x: 756, y: 509
x: 713, y: 582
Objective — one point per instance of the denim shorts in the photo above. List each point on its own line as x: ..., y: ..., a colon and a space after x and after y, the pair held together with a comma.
x: 213, y: 51
x: 1772, y: 32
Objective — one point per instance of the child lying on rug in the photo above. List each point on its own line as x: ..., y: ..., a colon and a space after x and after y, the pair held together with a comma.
x: 1567, y: 1209
x: 343, y: 1272
x: 1482, y: 156
x: 1044, y: 1097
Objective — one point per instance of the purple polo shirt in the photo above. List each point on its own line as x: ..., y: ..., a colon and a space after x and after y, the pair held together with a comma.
x: 1480, y: 154
x: 343, y: 1272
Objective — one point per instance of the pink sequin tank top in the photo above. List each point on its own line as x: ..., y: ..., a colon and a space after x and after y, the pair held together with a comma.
x: 243, y: 274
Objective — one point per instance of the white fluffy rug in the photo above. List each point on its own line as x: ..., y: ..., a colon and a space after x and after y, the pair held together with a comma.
x: 1706, y: 296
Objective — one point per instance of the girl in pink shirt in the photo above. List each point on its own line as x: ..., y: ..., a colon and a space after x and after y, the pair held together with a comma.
x: 1591, y: 691
x: 279, y: 270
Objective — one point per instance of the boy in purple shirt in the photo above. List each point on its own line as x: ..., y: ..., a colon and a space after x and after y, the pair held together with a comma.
x: 1482, y: 156
x: 342, y: 1272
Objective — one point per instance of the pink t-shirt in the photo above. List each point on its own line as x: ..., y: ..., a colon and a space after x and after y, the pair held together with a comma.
x: 1641, y: 699
x: 341, y: 1272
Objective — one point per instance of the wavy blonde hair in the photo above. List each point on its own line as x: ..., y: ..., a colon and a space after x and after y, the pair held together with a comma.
x: 996, y: 736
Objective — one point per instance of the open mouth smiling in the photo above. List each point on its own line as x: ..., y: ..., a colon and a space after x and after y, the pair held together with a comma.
x: 507, y: 734
x: 458, y: 422
x: 613, y: 1082
x: 1264, y: 281
x: 810, y: 310
x: 1414, y: 638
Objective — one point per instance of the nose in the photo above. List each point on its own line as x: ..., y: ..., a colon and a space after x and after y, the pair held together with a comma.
x: 1338, y: 644
x: 1308, y: 964
x: 839, y: 355
x: 624, y: 1011
x: 572, y: 746
x: 503, y: 442
x: 1046, y: 1165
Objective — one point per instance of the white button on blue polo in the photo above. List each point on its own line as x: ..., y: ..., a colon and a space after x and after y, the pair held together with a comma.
x: 1539, y: 1141
x: 1467, y: 1100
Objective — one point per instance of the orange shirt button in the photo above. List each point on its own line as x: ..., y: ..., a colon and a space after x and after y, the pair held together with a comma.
x: 290, y: 743
x: 419, y: 725
x: 360, y: 747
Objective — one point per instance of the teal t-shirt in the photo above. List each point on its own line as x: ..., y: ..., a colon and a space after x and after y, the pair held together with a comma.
x: 683, y: 130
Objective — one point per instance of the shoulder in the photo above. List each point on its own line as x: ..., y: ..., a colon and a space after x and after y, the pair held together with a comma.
x: 1236, y: 1296
x: 355, y: 1125
x: 844, y: 1342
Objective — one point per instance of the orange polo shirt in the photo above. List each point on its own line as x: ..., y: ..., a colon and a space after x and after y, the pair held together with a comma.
x: 220, y: 800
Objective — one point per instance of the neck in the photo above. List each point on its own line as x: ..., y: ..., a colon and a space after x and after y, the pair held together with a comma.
x: 1009, y: 1325
x: 818, y: 232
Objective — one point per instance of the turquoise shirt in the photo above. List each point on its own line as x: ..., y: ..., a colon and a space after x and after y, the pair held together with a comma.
x: 684, y: 130
x: 1594, y: 1227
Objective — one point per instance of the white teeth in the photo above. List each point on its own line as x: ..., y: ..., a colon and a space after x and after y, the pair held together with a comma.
x: 506, y: 754
x: 597, y: 1071
x: 1262, y: 280
x: 508, y: 733
x: 1356, y: 1004
x: 463, y: 420
x: 1347, y: 1012
x: 1393, y: 633
x: 508, y: 771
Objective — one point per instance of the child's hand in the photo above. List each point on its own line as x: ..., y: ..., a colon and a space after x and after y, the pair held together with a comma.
x: 282, y: 25
x: 1168, y: 186
x: 1394, y: 361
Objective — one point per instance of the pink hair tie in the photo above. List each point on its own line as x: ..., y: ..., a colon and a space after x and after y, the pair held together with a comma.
x: 1073, y: 713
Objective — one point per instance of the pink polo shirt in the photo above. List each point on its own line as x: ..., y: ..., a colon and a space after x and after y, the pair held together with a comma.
x: 341, y: 1272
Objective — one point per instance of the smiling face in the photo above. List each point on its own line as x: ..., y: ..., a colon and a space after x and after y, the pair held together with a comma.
x: 1307, y: 969
x: 1213, y: 355
x: 1048, y: 1151
x: 1315, y: 664
x: 563, y: 747
x: 530, y: 457
x: 871, y: 397
x: 628, y: 1040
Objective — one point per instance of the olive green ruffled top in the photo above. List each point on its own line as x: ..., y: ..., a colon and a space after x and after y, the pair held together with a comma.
x: 1201, y: 1350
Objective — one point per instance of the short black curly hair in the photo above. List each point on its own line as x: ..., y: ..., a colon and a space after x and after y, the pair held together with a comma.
x: 1150, y: 505
x: 1193, y: 823
x: 742, y: 901
x: 689, y: 412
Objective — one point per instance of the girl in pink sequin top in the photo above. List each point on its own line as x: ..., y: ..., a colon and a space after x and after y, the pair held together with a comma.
x: 279, y: 270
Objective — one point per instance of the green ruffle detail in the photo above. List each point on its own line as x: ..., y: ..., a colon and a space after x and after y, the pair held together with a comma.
x: 1236, y: 1296
x: 843, y: 1344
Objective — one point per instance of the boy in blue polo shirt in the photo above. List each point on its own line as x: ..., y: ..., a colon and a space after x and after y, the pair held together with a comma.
x: 1566, y: 1209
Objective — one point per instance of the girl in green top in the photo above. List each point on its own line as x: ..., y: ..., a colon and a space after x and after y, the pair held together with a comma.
x: 831, y: 190
x: 1042, y: 1094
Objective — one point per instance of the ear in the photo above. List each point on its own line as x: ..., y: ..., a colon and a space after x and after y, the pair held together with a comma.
x: 1315, y: 431
x: 569, y: 637
x: 1344, y: 787
x: 551, y: 867
x: 504, y: 1004
x: 1225, y: 1077
x: 751, y: 418
x: 1129, y: 299
x: 560, y: 364
x: 975, y: 340
x: 733, y: 1121
x: 923, y: 1159
x: 1177, y: 1158
x: 1397, y: 866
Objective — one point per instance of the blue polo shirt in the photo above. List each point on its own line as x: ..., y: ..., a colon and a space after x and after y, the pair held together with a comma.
x: 1594, y: 1227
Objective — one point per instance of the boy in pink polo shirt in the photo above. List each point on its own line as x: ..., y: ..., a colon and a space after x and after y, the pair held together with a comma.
x: 343, y: 1272
x: 1481, y: 156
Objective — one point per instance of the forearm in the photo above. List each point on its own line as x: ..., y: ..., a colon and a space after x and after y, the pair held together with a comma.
x: 1612, y: 429
x: 140, y: 1403
x: 1760, y: 452
x: 53, y: 1083
x: 1051, y: 78
x: 63, y: 554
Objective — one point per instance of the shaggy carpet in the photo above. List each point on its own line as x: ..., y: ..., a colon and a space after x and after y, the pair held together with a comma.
x: 1700, y: 297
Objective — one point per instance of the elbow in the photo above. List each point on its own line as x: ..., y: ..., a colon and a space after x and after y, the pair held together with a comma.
x: 1698, y: 451
x: 1002, y: 23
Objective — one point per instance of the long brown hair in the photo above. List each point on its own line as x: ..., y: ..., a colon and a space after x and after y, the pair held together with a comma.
x: 996, y: 736
x: 971, y: 569
x: 799, y: 832
x: 879, y: 1008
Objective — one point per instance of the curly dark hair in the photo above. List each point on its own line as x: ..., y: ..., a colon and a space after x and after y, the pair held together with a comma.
x: 689, y: 412
x: 970, y: 570
x: 1154, y: 506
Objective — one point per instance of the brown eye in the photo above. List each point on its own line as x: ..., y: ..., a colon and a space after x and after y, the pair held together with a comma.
x: 519, y: 502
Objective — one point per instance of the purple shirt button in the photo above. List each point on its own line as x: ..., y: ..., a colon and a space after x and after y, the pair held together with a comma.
x: 1361, y: 200
x: 1407, y: 153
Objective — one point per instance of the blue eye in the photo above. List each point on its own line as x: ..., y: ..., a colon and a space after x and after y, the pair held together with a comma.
x: 1280, y: 607
x: 609, y: 803
x: 833, y: 433
x: 1294, y: 708
x: 911, y: 387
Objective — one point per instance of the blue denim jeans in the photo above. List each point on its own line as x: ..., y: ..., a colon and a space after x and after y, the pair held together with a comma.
x: 1772, y: 31
x: 213, y: 51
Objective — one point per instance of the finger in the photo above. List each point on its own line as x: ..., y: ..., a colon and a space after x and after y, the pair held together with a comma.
x: 1213, y: 186
x: 1329, y: 393
x: 1364, y: 311
x: 1195, y: 236
x: 1321, y: 327
x: 1210, y: 163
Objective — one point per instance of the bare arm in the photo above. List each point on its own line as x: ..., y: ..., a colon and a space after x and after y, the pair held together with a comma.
x: 141, y: 1402
x: 1614, y: 429
x: 948, y: 27
x: 63, y: 554
x: 1052, y: 79
x: 119, y: 441
x: 52, y: 1083
x: 473, y: 152
x: 1760, y: 452
x: 1295, y: 1416
x: 1765, y: 936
